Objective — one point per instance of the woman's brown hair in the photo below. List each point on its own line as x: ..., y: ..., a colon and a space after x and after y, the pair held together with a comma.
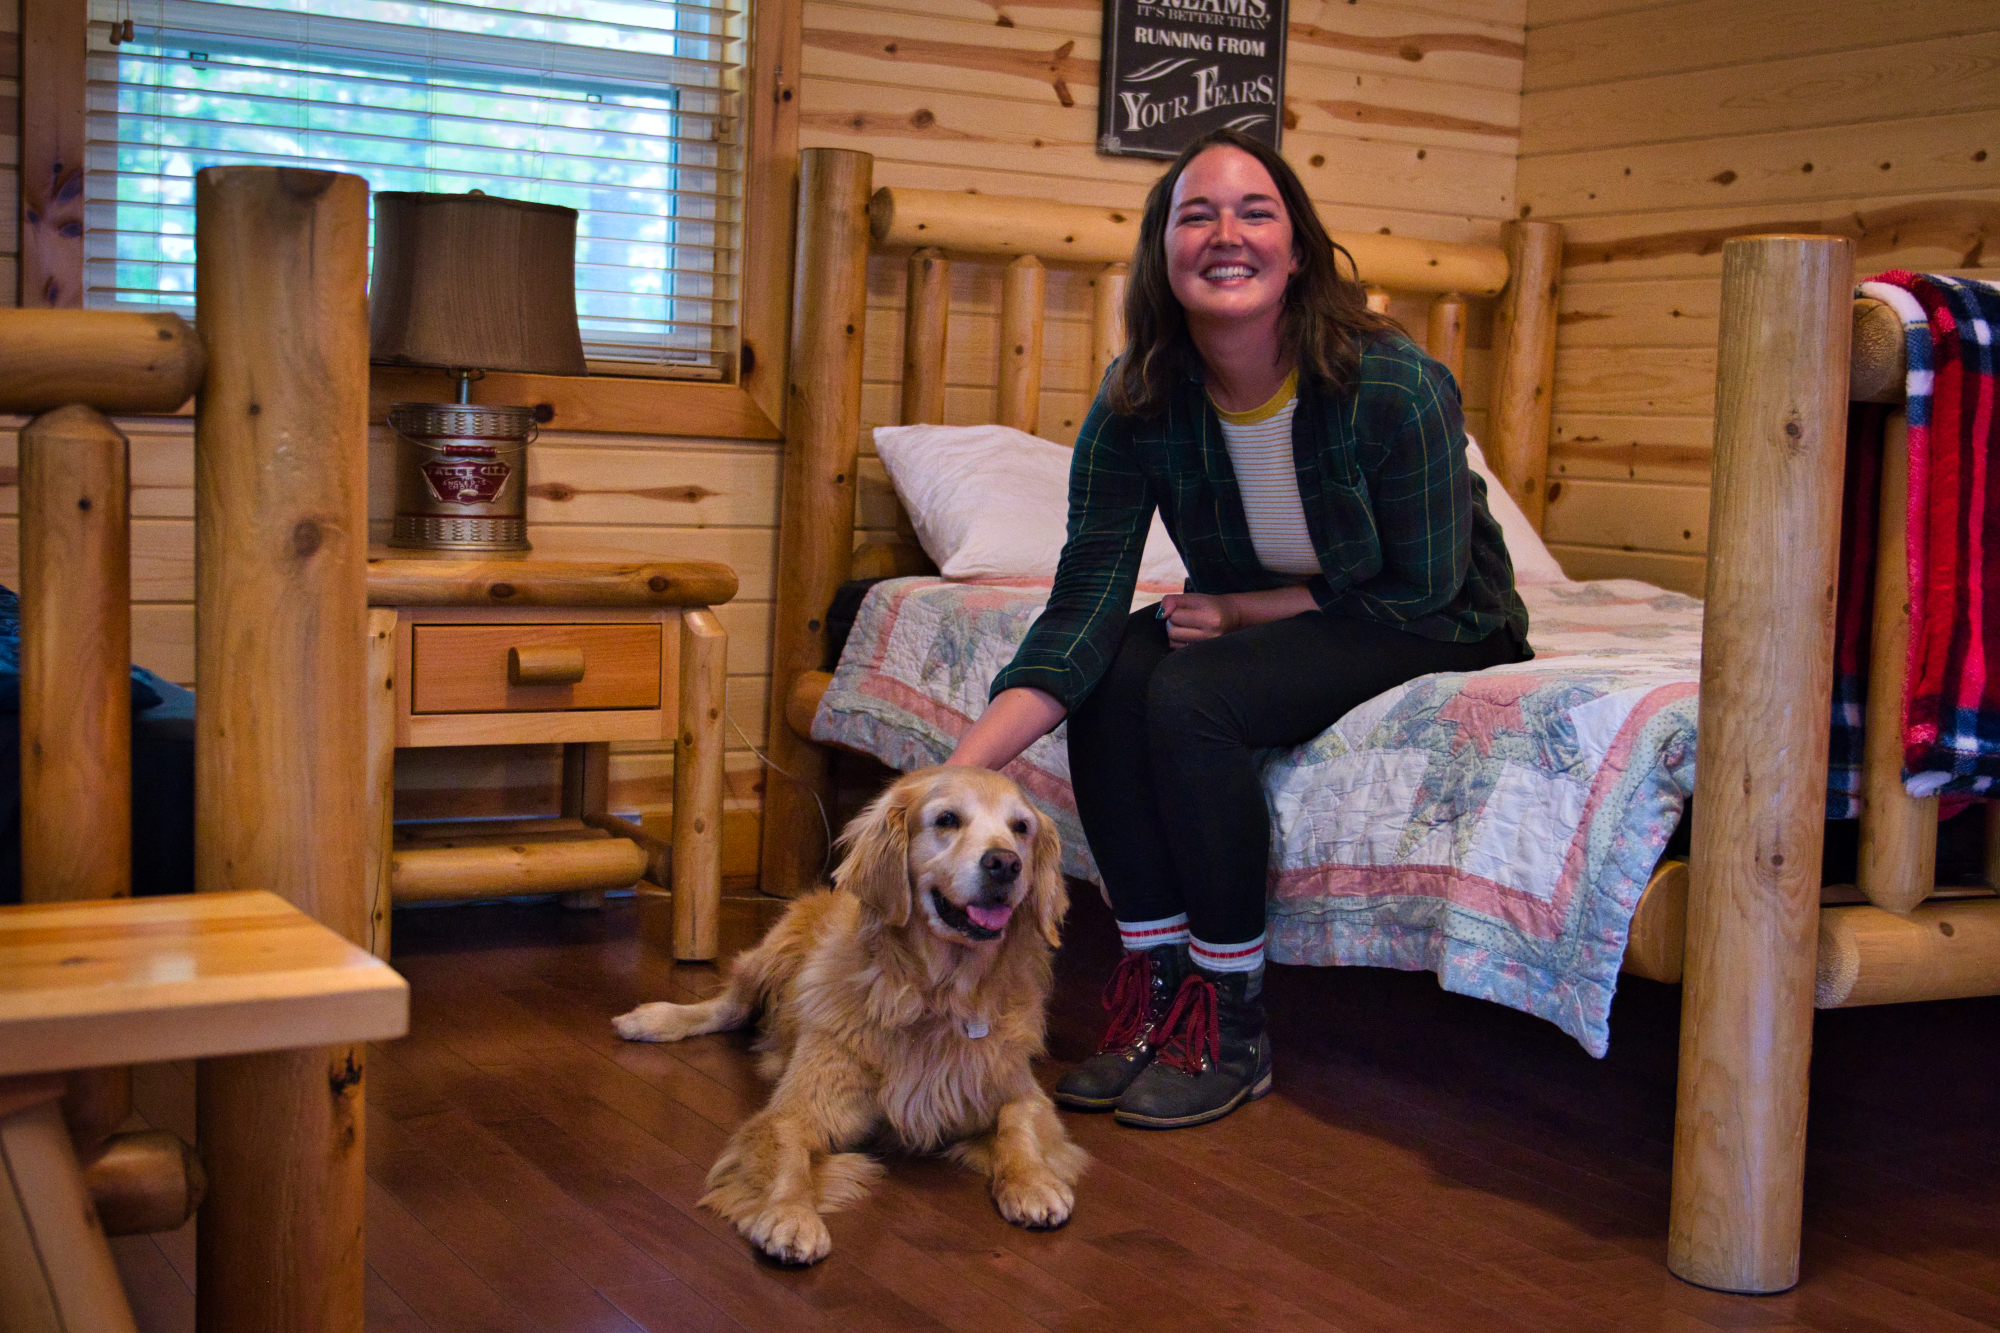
x: 1326, y: 321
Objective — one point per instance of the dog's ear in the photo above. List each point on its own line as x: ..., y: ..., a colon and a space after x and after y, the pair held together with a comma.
x: 1050, y: 894
x: 877, y: 867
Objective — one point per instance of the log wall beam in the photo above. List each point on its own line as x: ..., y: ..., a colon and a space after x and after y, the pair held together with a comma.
x: 1445, y: 337
x: 1766, y: 696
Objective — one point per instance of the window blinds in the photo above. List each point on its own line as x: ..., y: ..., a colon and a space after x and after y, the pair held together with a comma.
x: 621, y: 109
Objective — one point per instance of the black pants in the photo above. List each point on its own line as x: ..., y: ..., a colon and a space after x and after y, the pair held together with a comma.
x: 1162, y: 754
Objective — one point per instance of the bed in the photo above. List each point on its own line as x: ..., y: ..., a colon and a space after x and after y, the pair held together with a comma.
x: 1585, y: 757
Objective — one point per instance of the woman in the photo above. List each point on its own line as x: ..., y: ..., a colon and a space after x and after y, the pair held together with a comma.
x: 1309, y: 462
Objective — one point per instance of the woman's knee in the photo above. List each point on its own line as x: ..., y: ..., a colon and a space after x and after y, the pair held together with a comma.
x: 1188, y: 700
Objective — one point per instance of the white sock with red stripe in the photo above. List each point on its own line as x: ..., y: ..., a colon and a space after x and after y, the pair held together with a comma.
x: 1142, y: 935
x: 1245, y: 957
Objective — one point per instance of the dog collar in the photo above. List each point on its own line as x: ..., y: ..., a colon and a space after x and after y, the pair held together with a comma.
x: 976, y: 1028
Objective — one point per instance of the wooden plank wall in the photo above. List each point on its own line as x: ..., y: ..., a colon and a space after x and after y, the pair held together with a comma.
x: 1653, y: 131
x: 1401, y: 117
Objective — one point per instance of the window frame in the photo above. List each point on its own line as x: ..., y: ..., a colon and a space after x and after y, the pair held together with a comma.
x: 749, y: 405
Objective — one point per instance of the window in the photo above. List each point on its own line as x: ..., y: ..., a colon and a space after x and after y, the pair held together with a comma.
x: 621, y: 109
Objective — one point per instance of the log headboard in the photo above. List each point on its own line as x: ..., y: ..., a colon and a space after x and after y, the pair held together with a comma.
x: 843, y: 219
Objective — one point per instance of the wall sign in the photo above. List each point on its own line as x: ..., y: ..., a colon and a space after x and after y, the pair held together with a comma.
x: 1175, y: 69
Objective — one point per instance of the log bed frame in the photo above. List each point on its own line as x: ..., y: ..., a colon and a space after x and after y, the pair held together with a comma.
x: 1745, y: 923
x: 290, y: 777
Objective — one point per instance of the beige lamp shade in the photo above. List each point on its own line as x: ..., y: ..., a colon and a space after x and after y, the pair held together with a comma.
x: 471, y: 281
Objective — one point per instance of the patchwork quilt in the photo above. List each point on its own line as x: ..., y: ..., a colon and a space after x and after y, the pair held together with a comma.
x: 1494, y: 827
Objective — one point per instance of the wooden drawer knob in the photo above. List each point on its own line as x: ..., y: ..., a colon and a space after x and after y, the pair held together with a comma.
x: 547, y: 665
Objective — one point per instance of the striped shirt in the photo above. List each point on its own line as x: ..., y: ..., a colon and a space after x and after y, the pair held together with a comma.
x: 1397, y: 515
x: 1260, y: 450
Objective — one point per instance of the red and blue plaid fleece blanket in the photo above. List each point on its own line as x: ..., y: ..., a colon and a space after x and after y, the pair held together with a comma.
x: 1951, y: 701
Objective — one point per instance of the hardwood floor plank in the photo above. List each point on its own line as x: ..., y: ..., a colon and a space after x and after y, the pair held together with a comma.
x: 573, y: 1234
x: 515, y: 1265
x: 436, y: 1285
x: 161, y: 1301
x: 386, y: 1312
x: 668, y: 1306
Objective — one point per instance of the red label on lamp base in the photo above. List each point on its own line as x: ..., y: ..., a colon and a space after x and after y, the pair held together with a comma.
x: 466, y: 481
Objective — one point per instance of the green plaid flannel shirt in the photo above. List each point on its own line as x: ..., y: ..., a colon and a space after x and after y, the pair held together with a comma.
x: 1395, y: 512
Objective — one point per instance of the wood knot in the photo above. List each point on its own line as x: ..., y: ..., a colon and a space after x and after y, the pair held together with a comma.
x: 544, y: 413
x: 340, y: 1080
x: 659, y: 583
x: 500, y: 590
x: 306, y: 537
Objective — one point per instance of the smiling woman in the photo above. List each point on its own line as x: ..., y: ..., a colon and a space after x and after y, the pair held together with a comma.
x: 1309, y: 462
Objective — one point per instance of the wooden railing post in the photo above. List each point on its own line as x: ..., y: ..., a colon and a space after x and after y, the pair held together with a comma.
x: 1524, y: 363
x: 76, y: 693
x: 1898, y: 863
x: 281, y: 762
x: 697, y: 855
x: 1766, y: 698
x: 1445, y: 338
x: 926, y: 314
x: 816, y: 512
x: 1107, y: 319
x: 1021, y: 288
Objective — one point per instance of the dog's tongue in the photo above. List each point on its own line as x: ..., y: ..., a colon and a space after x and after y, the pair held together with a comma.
x: 991, y: 918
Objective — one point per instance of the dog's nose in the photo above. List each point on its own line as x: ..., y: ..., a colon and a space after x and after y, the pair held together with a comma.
x: 1002, y: 867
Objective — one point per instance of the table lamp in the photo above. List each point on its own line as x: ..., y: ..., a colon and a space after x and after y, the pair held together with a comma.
x: 469, y: 283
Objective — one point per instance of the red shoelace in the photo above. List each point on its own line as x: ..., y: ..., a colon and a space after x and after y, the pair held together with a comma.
x: 1127, y: 997
x: 1190, y: 1038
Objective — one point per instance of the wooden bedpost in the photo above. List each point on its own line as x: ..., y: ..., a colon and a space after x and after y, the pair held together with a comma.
x: 1445, y: 338
x: 281, y: 533
x: 926, y: 314
x: 1898, y: 864
x: 1766, y: 698
x: 1107, y: 319
x: 816, y: 518
x: 1021, y: 288
x: 1524, y: 365
x: 76, y: 693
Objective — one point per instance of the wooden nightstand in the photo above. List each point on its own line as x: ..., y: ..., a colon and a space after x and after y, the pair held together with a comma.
x: 511, y: 652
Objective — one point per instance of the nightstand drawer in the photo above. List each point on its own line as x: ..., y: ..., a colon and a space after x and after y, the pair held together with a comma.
x: 465, y: 668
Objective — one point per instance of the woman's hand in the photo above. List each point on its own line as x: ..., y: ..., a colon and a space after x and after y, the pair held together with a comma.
x: 1195, y: 616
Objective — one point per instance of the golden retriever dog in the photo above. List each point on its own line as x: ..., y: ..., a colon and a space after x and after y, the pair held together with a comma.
x: 904, y: 1006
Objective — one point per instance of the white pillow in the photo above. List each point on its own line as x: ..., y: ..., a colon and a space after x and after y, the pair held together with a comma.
x: 995, y: 500
x: 1532, y: 561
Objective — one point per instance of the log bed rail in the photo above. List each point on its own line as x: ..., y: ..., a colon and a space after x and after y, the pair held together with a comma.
x: 841, y: 218
x: 1745, y: 923
x: 280, y: 376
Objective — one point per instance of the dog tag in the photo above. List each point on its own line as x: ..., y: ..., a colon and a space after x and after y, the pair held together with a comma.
x: 976, y: 1027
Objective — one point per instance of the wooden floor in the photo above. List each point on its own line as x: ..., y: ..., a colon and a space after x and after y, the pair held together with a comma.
x: 1427, y: 1162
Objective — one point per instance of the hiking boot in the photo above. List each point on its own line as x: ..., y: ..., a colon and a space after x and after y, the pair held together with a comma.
x: 1213, y: 1054
x: 1141, y: 990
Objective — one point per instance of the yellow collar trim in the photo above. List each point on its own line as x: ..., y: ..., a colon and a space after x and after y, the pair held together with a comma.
x: 1286, y: 392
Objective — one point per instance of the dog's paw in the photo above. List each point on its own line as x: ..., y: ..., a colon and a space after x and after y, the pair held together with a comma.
x: 1038, y: 1202
x: 657, y: 1022
x: 790, y: 1234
